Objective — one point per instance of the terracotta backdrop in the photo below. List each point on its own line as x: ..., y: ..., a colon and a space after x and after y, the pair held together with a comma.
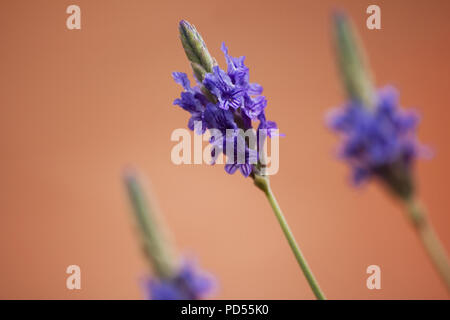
x: 77, y: 106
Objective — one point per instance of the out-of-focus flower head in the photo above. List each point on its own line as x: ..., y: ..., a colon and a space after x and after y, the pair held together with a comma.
x: 222, y: 100
x: 171, y: 280
x: 379, y: 138
x: 379, y: 142
x: 189, y: 283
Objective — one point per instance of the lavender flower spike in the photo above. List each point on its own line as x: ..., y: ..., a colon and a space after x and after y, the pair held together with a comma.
x: 171, y: 280
x: 379, y: 142
x: 189, y: 283
x: 225, y: 101
x: 379, y: 138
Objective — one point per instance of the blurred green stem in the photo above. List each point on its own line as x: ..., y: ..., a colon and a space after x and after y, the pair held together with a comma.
x: 429, y: 239
x: 263, y: 183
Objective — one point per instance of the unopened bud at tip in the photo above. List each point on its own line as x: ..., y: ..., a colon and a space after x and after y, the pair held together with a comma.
x: 351, y: 60
x: 195, y: 49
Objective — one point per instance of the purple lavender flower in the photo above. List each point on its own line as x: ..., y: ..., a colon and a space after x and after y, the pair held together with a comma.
x: 225, y: 101
x: 239, y: 75
x: 191, y: 100
x: 237, y: 70
x: 219, y: 84
x: 234, y: 103
x: 379, y: 142
x: 270, y: 126
x: 171, y: 281
x: 189, y: 284
x: 380, y: 138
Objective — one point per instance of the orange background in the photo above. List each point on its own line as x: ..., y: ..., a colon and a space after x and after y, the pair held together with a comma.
x: 77, y: 106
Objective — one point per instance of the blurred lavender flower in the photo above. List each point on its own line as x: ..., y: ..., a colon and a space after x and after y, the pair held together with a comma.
x: 188, y: 284
x: 379, y: 142
x: 171, y: 281
x: 222, y: 100
x: 380, y: 138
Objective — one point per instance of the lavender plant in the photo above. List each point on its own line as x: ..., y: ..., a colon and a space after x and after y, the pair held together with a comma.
x: 172, y: 280
x: 227, y: 103
x: 379, y: 138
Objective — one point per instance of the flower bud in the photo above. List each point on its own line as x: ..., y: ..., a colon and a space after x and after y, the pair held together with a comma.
x: 196, y: 51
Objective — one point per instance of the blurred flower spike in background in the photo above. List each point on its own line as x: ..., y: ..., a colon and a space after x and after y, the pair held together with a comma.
x: 223, y: 101
x: 379, y: 138
x: 379, y: 142
x: 172, y: 280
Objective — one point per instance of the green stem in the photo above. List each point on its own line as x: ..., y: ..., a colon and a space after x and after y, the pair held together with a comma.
x: 429, y: 239
x: 263, y: 184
